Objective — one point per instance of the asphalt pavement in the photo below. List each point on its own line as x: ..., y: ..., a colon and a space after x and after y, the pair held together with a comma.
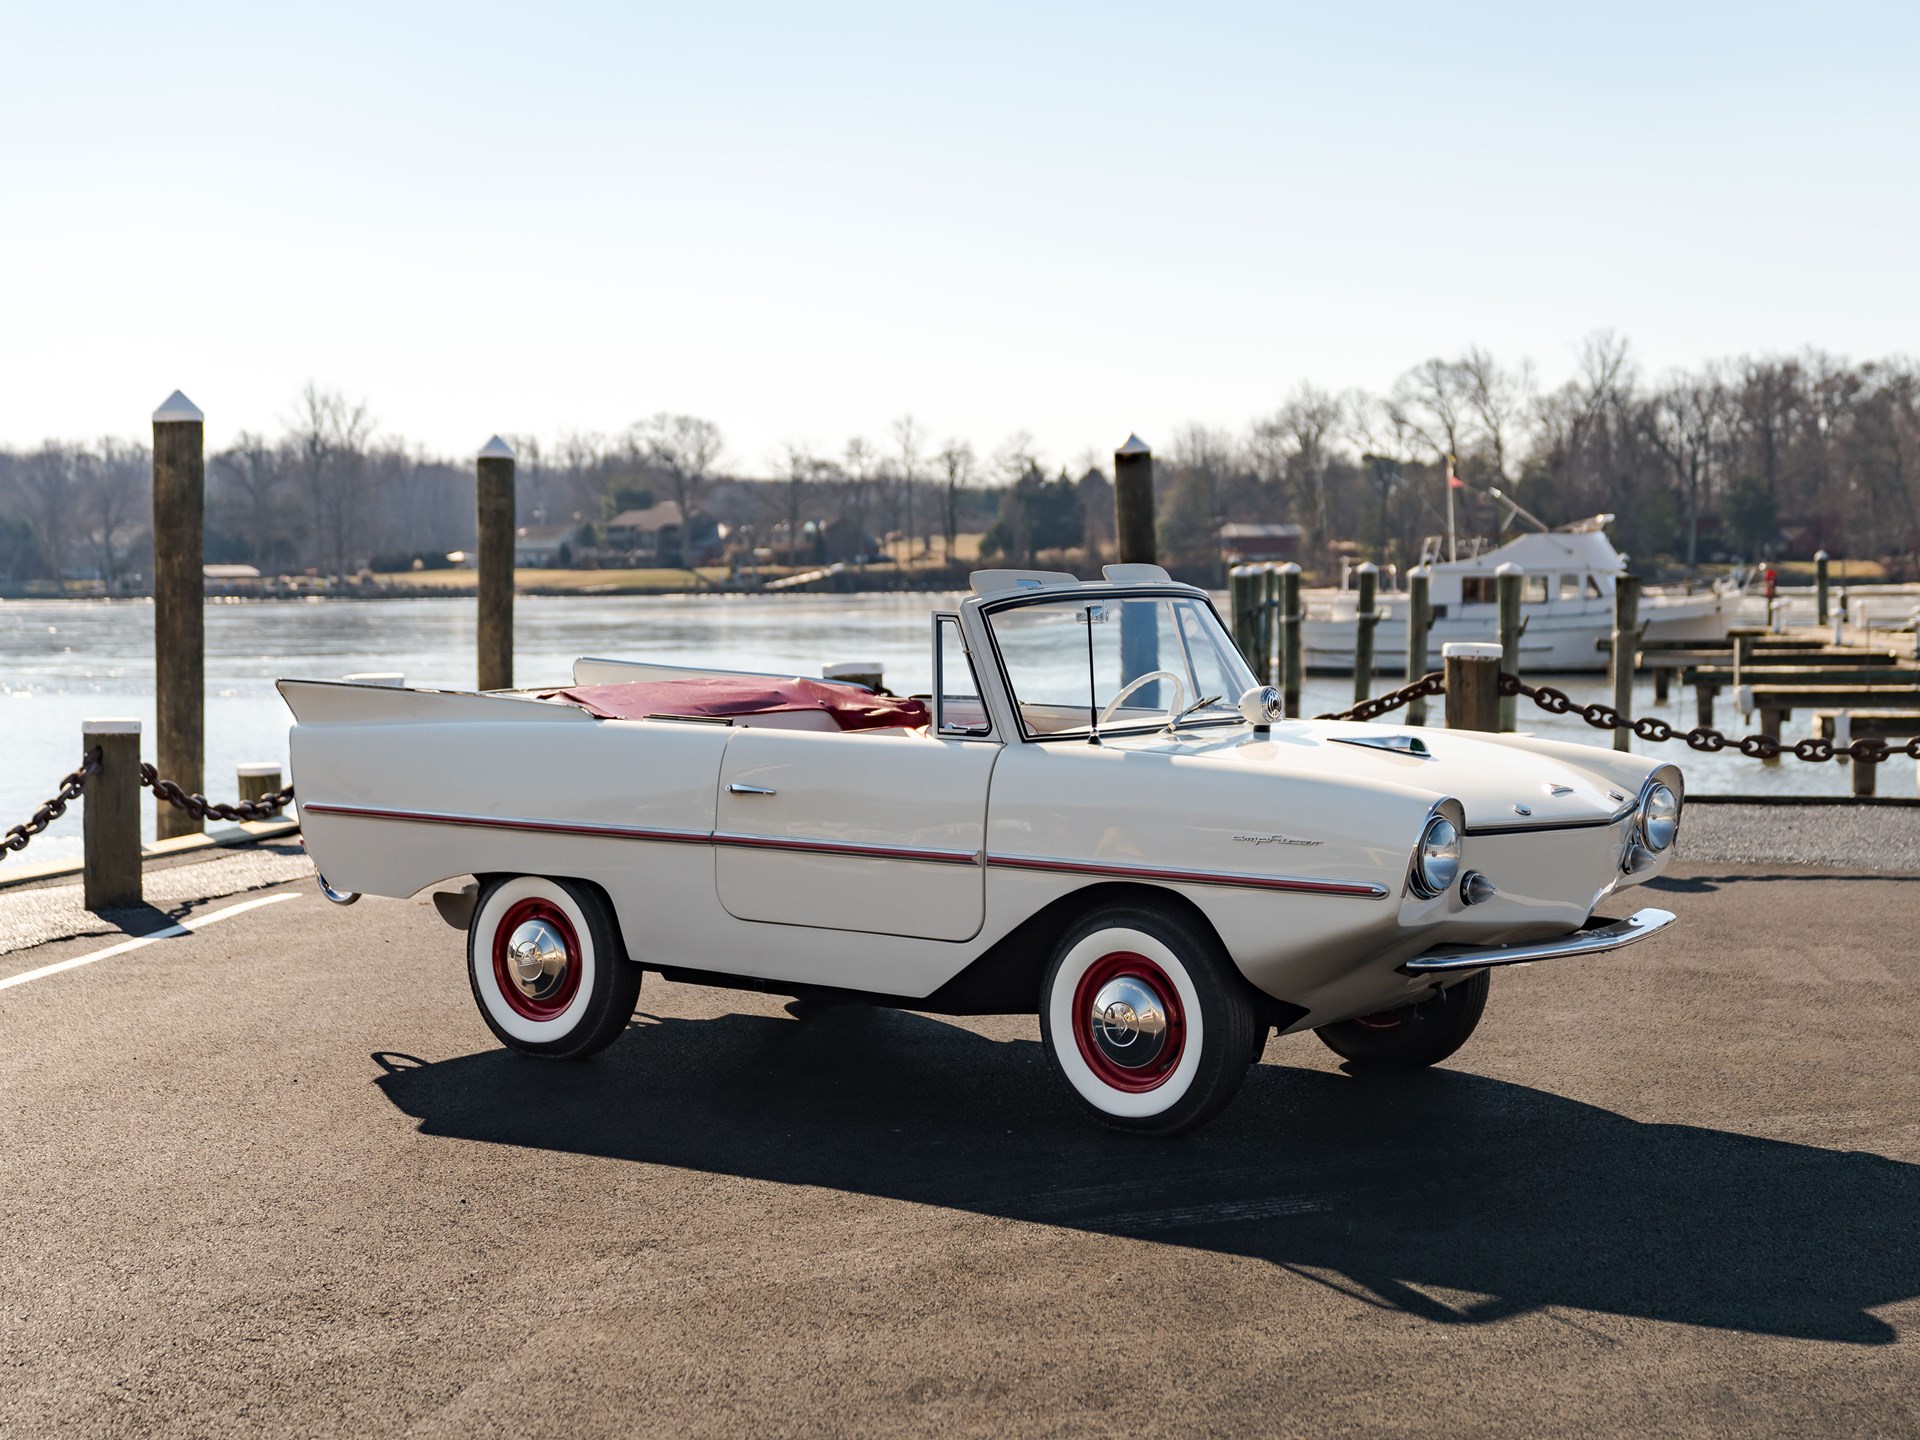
x: 274, y: 1177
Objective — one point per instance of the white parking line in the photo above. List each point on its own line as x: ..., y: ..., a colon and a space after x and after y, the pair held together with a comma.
x: 184, y: 927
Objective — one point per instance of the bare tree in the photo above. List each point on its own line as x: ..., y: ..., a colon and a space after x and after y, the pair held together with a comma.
x: 254, y: 470
x: 1292, y: 448
x: 330, y: 434
x: 114, y: 490
x: 800, y: 465
x: 1432, y: 402
x: 859, y: 467
x: 45, y: 500
x: 907, y: 439
x: 956, y: 461
x: 685, y: 448
x: 1502, y: 401
x: 1685, y: 422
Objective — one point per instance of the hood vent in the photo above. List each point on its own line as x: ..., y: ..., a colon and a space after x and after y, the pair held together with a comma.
x: 1399, y: 744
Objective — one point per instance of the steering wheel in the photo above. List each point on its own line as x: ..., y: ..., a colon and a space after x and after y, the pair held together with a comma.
x: 1179, y: 694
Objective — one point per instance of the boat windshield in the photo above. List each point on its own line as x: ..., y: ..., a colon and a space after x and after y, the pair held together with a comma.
x: 1074, y: 665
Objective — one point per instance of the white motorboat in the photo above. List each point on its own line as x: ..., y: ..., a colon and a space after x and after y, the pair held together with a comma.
x: 1566, y: 606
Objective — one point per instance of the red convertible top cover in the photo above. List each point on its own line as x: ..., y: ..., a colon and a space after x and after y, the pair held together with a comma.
x: 720, y: 695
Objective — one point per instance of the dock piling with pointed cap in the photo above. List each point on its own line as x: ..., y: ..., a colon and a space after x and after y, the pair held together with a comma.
x: 1133, y: 503
x: 1419, y: 622
x: 1366, y: 616
x: 495, y: 508
x: 179, y: 604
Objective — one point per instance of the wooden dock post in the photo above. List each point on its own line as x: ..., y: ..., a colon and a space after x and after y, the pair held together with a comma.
x: 1269, y: 624
x: 494, y: 498
x: 1419, y: 622
x: 110, y: 815
x: 1366, y: 617
x: 1243, y: 606
x: 1508, y: 581
x: 1626, y: 641
x: 1133, y: 503
x: 179, y: 604
x: 1293, y: 664
x: 1820, y: 586
x: 1473, y: 685
x: 256, y: 779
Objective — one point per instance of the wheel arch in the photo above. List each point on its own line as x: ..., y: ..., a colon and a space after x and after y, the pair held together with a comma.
x: 486, y: 880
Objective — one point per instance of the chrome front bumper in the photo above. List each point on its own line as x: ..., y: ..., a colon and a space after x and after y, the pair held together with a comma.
x: 1597, y: 938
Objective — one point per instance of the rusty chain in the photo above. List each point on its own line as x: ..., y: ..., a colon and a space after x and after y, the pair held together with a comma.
x: 1434, y: 682
x: 1868, y: 751
x: 70, y: 788
x: 201, y: 808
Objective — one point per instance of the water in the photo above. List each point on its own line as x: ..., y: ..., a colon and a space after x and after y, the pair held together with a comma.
x: 63, y: 662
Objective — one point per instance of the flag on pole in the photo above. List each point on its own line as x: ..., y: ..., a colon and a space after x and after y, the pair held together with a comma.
x: 1454, y: 482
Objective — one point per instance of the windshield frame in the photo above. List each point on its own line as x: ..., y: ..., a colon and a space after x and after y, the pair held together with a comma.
x: 1092, y: 595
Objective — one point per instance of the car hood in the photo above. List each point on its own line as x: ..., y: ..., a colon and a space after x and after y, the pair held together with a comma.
x: 1501, y: 781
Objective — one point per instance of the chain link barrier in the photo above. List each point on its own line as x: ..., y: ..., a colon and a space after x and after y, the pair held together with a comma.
x: 1870, y: 750
x: 201, y: 808
x: 1434, y: 682
x: 70, y: 788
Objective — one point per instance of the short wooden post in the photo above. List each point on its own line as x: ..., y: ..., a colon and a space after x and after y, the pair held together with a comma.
x: 1419, y: 622
x: 496, y: 514
x: 1865, y: 778
x: 110, y: 815
x: 1626, y: 640
x: 1703, y: 702
x: 1820, y: 586
x: 1292, y: 661
x: 179, y: 604
x: 1508, y: 581
x: 1243, y: 591
x: 257, y: 779
x: 1473, y: 685
x: 1662, y: 684
x: 1365, y: 618
x: 1133, y: 503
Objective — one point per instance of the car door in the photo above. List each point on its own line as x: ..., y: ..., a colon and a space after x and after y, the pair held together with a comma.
x: 854, y: 831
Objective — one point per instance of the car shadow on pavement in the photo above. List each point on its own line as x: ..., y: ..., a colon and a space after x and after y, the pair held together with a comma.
x: 1505, y: 1198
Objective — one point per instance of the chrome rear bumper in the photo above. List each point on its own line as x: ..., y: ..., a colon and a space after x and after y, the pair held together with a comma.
x: 1597, y: 938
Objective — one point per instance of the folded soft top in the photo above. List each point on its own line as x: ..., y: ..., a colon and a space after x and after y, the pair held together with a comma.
x: 852, y: 707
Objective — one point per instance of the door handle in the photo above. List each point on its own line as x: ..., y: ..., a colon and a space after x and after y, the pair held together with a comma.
x: 736, y: 788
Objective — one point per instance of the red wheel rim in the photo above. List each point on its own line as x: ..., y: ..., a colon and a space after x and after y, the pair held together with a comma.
x: 1126, y: 965
x: 549, y: 995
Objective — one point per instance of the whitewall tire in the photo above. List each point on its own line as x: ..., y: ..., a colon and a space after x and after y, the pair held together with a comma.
x: 547, y: 967
x: 1146, y: 1019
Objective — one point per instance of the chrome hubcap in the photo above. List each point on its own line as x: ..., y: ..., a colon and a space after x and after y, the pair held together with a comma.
x: 537, y: 957
x: 1129, y: 1022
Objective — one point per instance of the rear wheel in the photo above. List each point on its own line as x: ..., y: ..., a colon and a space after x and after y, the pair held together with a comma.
x: 547, y: 967
x: 1146, y: 1019
x: 1413, y: 1035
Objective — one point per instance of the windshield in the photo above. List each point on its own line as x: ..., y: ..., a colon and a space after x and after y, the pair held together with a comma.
x: 1118, y: 664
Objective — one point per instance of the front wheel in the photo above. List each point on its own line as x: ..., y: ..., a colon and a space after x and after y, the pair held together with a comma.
x: 1145, y: 1017
x: 547, y: 967
x: 1412, y: 1036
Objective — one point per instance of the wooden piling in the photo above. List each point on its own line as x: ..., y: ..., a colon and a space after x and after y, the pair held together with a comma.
x: 1270, y: 624
x: 1243, y: 605
x: 1626, y: 641
x: 494, y: 498
x: 1820, y: 586
x: 257, y: 779
x: 179, y: 603
x: 1366, y: 617
x: 1133, y: 503
x: 1292, y: 661
x: 1473, y: 685
x: 1508, y: 581
x: 110, y: 815
x: 1419, y: 623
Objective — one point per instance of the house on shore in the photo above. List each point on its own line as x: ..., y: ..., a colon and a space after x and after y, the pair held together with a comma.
x: 1248, y: 543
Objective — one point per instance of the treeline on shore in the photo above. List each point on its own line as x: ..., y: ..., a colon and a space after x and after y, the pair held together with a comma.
x: 1746, y: 458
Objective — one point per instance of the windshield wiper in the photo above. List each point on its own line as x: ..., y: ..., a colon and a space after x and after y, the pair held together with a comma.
x: 1174, y: 723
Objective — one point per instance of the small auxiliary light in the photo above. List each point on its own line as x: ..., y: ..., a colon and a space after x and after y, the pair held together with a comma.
x: 1260, y: 707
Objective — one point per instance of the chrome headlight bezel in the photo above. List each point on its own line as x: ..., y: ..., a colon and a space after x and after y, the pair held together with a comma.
x: 1436, y: 858
x: 1657, y: 817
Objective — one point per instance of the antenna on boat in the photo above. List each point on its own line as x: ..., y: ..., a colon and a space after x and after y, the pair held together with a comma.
x: 1453, y: 484
x: 1517, y: 508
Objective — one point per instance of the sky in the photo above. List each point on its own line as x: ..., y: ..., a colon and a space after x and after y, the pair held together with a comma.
x: 801, y: 222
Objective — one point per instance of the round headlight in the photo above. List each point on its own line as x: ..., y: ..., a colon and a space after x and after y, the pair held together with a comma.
x: 1659, y: 818
x: 1436, y: 865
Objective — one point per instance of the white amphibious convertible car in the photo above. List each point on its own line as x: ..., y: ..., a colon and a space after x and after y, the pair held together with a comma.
x: 1096, y: 816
